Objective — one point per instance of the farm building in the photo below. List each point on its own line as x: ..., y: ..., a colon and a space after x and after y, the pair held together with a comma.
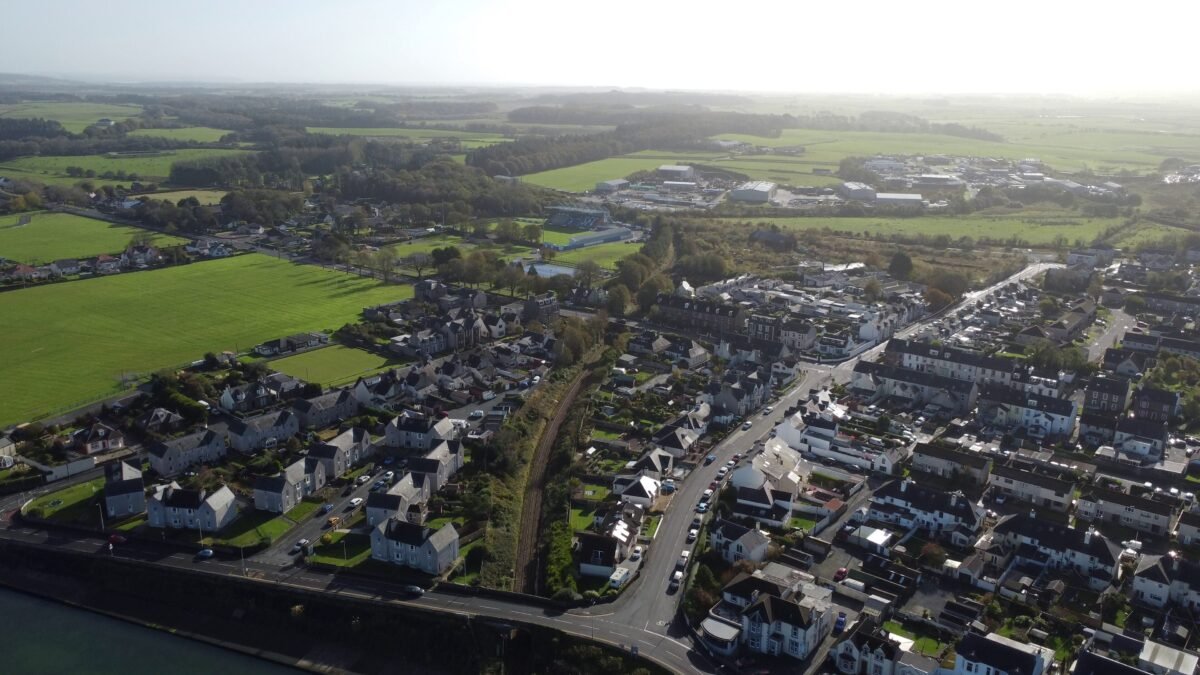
x: 676, y: 172
x: 758, y: 191
x: 576, y: 218
x: 612, y: 185
x: 897, y: 199
x: 858, y: 191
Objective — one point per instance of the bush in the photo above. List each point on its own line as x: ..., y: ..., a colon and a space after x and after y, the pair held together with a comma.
x: 565, y: 595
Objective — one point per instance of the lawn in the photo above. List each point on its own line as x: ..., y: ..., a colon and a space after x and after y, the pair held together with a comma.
x: 925, y: 644
x: 303, y: 511
x: 200, y: 134
x: 427, y: 244
x: 332, y: 365
x: 801, y: 523
x: 583, y: 177
x: 75, y: 504
x: 74, y: 116
x: 67, y: 344
x: 558, y: 237
x: 582, y: 519
x: 251, y: 527
x: 605, y: 255
x: 652, y: 525
x: 205, y: 197
x: 1036, y: 228
x: 605, y: 435
x: 50, y: 236
x: 148, y: 167
x: 594, y: 491
x: 346, y: 550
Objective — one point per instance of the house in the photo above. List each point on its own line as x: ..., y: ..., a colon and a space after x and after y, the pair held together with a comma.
x: 403, y: 543
x: 766, y: 504
x: 439, y: 464
x: 994, y: 654
x: 598, y: 554
x: 264, y: 431
x: 343, y: 451
x: 701, y: 315
x: 405, y: 500
x: 100, y: 438
x: 106, y: 264
x: 1140, y: 439
x: 1151, y: 516
x: 173, y: 507
x: 1188, y: 530
x: 282, y: 492
x: 140, y: 256
x: 868, y: 649
x: 170, y: 457
x: 676, y: 439
x: 1032, y: 486
x: 65, y: 267
x: 1160, y: 659
x: 291, y: 343
x: 648, y: 343
x: 1091, y: 556
x: 735, y: 542
x: 259, y: 394
x: 1126, y: 362
x: 944, y: 515
x: 913, y: 389
x: 324, y: 410
x: 793, y: 626
x: 798, y: 334
x: 1156, y: 405
x: 952, y: 463
x: 641, y: 492
x: 160, y: 421
x: 1038, y: 416
x: 687, y: 354
x: 953, y: 362
x: 1107, y: 396
x: 124, y: 490
x: 414, y: 430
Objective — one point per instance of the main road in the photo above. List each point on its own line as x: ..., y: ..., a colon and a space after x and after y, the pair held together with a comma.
x: 645, y: 617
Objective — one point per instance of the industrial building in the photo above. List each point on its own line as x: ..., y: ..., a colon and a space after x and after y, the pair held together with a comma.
x: 937, y: 181
x: 898, y: 199
x: 577, y: 218
x: 857, y: 191
x: 679, y: 186
x: 757, y: 191
x: 676, y: 172
x: 612, y: 185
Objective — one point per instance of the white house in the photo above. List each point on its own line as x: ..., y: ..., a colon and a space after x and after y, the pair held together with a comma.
x: 944, y: 515
x: 173, y: 507
x: 994, y: 654
x: 170, y: 457
x: 403, y: 543
x: 735, y: 542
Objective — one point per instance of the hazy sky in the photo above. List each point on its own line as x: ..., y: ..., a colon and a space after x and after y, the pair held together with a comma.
x: 1047, y: 46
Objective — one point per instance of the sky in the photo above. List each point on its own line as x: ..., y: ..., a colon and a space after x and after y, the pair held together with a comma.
x: 871, y: 46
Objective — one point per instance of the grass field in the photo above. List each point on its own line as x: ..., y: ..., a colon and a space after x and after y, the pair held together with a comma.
x: 779, y: 168
x: 1033, y: 228
x: 427, y: 244
x: 583, y: 177
x: 470, y: 139
x: 50, y: 236
x: 605, y: 255
x: 558, y: 237
x: 200, y: 134
x: 75, y: 504
x: 154, y: 167
x: 205, y: 197
x: 75, y: 117
x: 332, y: 365
x: 67, y: 344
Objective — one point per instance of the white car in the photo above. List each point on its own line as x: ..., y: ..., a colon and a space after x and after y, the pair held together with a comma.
x: 388, y: 476
x: 768, y: 410
x: 747, y: 425
x: 692, y: 534
x: 354, y: 503
x: 363, y: 479
x: 637, y: 553
x: 707, y: 495
x: 475, y: 415
x: 721, y: 473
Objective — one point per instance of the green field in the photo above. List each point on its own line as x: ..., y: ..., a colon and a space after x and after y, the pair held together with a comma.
x: 200, y: 134
x: 75, y: 117
x: 583, y: 177
x: 427, y: 244
x: 51, y: 236
x: 1034, y: 228
x: 153, y: 167
x: 332, y: 365
x: 605, y: 255
x: 66, y: 344
x: 205, y: 197
x: 470, y: 139
x: 779, y: 168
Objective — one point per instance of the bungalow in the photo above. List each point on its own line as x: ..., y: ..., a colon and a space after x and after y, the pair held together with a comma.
x: 124, y: 490
x: 403, y: 543
x: 735, y: 542
x: 140, y: 256
x: 100, y: 438
x: 160, y: 421
x: 291, y: 343
x: 65, y: 267
x: 168, y: 458
x: 106, y: 264
x: 641, y: 492
x: 173, y: 507
x: 264, y: 431
x: 324, y: 410
x: 282, y: 492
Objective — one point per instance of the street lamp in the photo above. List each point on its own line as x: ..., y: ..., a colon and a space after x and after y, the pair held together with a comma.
x: 100, y: 507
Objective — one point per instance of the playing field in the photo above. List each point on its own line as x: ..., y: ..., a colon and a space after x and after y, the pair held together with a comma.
x: 1032, y: 228
x: 333, y: 365
x: 66, y: 344
x: 75, y: 117
x: 51, y: 236
x: 605, y: 255
x: 205, y: 197
x: 149, y: 167
x: 201, y: 134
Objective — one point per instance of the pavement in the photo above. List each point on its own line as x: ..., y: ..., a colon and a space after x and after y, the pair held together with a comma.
x: 645, y: 617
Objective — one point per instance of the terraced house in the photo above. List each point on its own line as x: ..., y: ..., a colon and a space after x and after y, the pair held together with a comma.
x: 1151, y: 516
x: 1032, y: 486
x: 952, y: 463
x: 168, y: 458
x: 944, y: 515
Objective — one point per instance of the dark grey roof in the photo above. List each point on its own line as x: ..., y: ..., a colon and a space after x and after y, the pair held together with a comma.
x: 1001, y: 657
x: 180, y: 498
x: 1090, y: 663
x: 384, y: 500
x: 406, y: 533
x: 1109, y: 385
x: 1033, y: 478
x: 1012, y: 397
x: 951, y: 354
x: 885, y: 371
x: 1059, y: 537
x: 772, y: 608
x: 1124, y: 499
x: 272, y: 484
x: 975, y: 460
x: 929, y: 500
x: 185, y: 443
x: 1149, y: 429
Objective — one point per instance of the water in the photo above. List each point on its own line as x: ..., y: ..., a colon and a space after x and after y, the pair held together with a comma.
x: 47, y: 637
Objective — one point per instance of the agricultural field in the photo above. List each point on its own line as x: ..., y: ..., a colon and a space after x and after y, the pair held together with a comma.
x: 1145, y: 232
x: 1033, y: 228
x: 333, y: 365
x: 205, y: 197
x: 71, y: 343
x: 605, y: 255
x: 199, y: 134
x: 583, y: 177
x: 74, y: 116
x: 52, y: 236
x: 148, y: 167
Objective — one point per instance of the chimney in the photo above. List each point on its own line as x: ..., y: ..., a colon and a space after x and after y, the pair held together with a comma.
x: 1087, y: 536
x: 904, y: 485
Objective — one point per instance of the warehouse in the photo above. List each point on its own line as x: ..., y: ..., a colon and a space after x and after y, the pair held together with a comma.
x: 676, y: 172
x: 897, y: 199
x: 757, y: 191
x: 857, y: 191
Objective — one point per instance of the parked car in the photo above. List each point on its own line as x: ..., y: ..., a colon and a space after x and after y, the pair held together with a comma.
x: 840, y: 624
x: 354, y: 503
x: 676, y: 579
x: 840, y: 574
x: 710, y: 459
x: 707, y: 495
x: 722, y: 472
x: 412, y: 590
x: 747, y: 425
x: 697, y: 521
x: 702, y: 507
x: 475, y: 415
x: 389, y: 476
x: 683, y: 558
x: 326, y: 507
x: 692, y: 534
x: 299, y: 546
x: 363, y: 479
x: 637, y: 553
x: 731, y: 463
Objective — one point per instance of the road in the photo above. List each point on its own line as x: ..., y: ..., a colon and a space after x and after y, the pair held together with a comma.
x: 645, y: 616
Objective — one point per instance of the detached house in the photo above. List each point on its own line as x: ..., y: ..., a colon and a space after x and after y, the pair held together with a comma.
x: 263, y: 431
x: 173, y: 507
x: 403, y: 543
x: 161, y: 421
x: 735, y: 542
x: 168, y: 458
x: 324, y: 410
x: 793, y: 626
x: 124, y: 490
x: 100, y: 438
x: 282, y: 492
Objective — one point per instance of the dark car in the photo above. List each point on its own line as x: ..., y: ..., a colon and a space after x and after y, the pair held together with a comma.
x: 710, y: 459
x: 116, y: 539
x: 204, y: 554
x: 411, y: 590
x: 840, y: 624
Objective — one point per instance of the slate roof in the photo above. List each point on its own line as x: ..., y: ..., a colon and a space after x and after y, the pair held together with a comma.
x: 185, y: 443
x: 990, y: 650
x: 974, y: 460
x: 1054, y: 536
x: 772, y: 608
x: 1012, y: 397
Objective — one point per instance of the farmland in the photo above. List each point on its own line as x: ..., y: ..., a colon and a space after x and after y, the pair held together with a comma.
x: 332, y: 365
x: 66, y: 344
x: 1035, y: 228
x: 199, y: 134
x: 74, y: 116
x: 152, y: 167
x: 50, y: 236
x: 205, y: 197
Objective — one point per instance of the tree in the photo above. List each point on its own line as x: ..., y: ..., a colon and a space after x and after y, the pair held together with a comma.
x: 509, y: 277
x: 532, y: 233
x: 933, y: 555
x: 140, y: 238
x: 385, y: 262
x: 441, y: 256
x: 508, y: 231
x: 650, y: 290
x: 587, y: 272
x: 618, y: 300
x: 1135, y: 304
x: 481, y: 229
x: 901, y: 265
x: 547, y: 253
x: 1048, y: 307
x: 937, y: 299
x: 419, y: 261
x: 872, y: 290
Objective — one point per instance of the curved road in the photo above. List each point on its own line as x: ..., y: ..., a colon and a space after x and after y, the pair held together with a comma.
x: 645, y: 616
